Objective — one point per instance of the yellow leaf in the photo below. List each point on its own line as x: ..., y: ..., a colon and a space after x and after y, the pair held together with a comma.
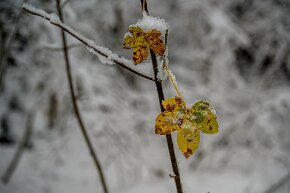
x: 140, y: 53
x: 166, y: 123
x: 140, y: 41
x: 128, y: 42
x: 171, y: 119
x: 188, y: 140
x: 209, y: 125
x: 136, y: 31
x: 155, y: 43
x: 203, y: 117
x: 173, y: 104
x: 187, y: 122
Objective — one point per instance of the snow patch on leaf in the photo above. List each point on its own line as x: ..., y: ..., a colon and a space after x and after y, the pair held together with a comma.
x: 148, y: 23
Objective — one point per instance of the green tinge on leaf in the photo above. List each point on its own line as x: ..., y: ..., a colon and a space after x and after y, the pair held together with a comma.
x: 203, y: 117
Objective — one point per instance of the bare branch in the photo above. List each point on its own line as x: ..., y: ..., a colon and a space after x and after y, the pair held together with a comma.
x: 19, y: 151
x: 53, y: 19
x: 160, y: 93
x: 76, y: 108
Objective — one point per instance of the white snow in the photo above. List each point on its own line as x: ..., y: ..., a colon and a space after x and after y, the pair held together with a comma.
x: 127, y: 34
x: 103, y: 59
x: 149, y: 22
x: 248, y: 155
x: 35, y: 10
x: 99, y: 50
x: 162, y: 74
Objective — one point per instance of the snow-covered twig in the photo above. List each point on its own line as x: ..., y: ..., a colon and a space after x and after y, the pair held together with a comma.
x: 99, y: 50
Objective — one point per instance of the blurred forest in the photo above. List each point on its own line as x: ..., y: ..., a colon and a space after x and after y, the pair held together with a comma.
x: 233, y: 53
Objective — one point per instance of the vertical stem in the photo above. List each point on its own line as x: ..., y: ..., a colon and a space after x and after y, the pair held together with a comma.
x: 161, y: 98
x: 168, y: 136
x: 76, y: 108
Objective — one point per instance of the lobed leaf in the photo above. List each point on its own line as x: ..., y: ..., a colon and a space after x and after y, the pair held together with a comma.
x: 187, y: 122
x: 141, y: 41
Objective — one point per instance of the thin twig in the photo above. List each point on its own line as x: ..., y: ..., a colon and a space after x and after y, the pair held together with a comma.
x: 20, y: 149
x: 76, y: 108
x: 161, y: 98
x: 90, y: 44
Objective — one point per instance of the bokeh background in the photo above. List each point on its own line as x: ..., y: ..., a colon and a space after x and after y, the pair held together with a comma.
x: 233, y: 53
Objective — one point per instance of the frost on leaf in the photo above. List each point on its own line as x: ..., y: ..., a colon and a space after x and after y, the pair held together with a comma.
x: 140, y: 41
x: 204, y: 118
x: 166, y: 123
x: 187, y: 122
x: 171, y: 119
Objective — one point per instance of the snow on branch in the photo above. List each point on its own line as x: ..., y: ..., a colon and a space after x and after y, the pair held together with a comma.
x: 105, y: 55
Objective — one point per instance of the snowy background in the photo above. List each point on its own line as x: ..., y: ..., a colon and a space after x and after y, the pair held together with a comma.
x: 233, y: 53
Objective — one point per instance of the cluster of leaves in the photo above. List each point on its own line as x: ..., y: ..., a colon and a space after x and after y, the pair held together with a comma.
x: 187, y: 122
x: 140, y: 41
x: 176, y: 117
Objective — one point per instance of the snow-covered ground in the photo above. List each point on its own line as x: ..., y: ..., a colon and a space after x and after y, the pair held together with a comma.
x: 250, y: 154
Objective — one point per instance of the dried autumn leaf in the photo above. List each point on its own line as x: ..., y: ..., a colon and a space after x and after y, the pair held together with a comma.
x: 155, y: 43
x: 204, y: 117
x: 139, y: 54
x: 173, y: 104
x: 140, y: 41
x: 166, y: 123
x: 188, y: 141
x: 187, y: 122
x: 171, y: 119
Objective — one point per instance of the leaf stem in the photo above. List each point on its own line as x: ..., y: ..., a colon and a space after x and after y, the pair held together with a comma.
x: 169, y: 73
x: 172, y: 80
